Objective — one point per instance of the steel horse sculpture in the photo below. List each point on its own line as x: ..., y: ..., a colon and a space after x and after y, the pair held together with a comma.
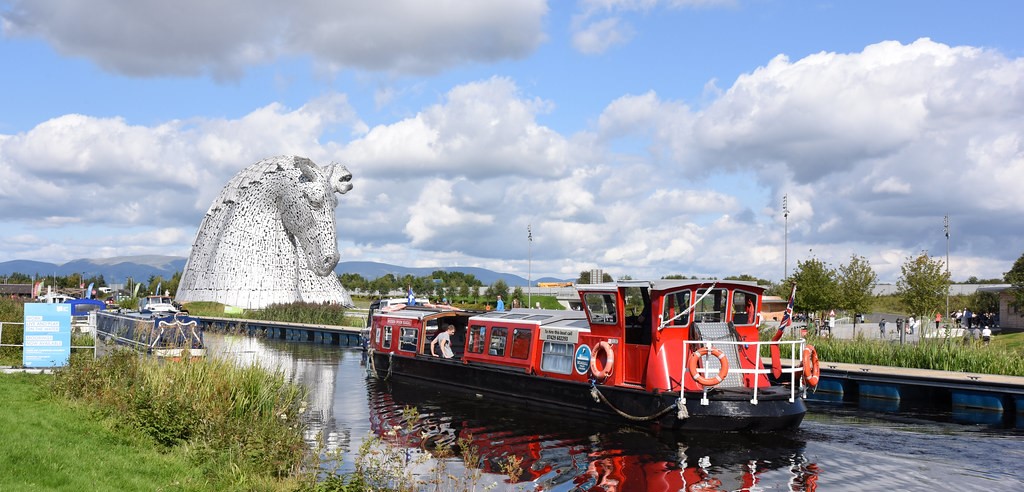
x: 270, y: 237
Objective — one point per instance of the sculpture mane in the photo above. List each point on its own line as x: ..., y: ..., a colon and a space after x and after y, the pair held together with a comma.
x: 269, y: 237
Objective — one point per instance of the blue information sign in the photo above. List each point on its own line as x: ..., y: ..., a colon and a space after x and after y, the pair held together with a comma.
x: 583, y: 359
x: 47, y: 335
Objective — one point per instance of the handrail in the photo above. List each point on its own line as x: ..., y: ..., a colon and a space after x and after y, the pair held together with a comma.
x: 794, y: 368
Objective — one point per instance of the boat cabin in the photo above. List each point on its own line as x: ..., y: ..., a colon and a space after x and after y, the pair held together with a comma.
x: 638, y: 334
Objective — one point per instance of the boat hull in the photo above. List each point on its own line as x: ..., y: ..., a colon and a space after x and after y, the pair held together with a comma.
x: 726, y: 410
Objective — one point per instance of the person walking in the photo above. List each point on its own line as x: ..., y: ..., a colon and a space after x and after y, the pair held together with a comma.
x: 938, y: 319
x: 881, y: 327
x: 986, y: 335
x: 444, y: 339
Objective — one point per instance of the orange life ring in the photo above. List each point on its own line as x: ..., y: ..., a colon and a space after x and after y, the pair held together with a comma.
x: 723, y: 369
x: 811, y: 369
x: 602, y: 373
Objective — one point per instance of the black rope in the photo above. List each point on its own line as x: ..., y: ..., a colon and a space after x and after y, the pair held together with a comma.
x: 595, y: 392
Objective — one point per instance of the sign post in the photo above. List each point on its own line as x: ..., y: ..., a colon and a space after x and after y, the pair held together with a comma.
x: 47, y: 335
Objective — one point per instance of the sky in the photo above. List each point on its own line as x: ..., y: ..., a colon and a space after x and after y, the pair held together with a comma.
x: 642, y: 137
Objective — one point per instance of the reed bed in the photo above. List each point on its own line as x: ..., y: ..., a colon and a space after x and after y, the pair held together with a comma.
x: 937, y: 354
x: 240, y: 424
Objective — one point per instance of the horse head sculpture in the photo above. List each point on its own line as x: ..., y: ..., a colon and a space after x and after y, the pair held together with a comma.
x: 270, y: 237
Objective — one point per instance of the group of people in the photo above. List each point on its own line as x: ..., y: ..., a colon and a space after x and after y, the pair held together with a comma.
x: 907, y: 326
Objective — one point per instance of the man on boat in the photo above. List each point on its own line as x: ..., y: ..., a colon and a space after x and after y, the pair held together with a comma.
x: 444, y: 339
x: 501, y: 305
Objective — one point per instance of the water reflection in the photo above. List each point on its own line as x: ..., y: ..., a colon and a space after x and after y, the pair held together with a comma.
x: 307, y: 364
x: 564, y: 453
x: 839, y: 446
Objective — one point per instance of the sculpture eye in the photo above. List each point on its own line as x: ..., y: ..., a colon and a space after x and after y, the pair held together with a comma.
x: 314, y: 193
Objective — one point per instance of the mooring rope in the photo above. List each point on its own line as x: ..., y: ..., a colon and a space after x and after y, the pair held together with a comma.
x: 595, y: 392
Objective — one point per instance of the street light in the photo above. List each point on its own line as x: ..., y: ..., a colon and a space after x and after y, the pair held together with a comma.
x: 529, y: 266
x: 785, y: 213
x: 945, y: 226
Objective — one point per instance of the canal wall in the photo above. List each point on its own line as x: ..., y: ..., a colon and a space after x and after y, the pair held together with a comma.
x: 343, y: 336
x: 969, y: 397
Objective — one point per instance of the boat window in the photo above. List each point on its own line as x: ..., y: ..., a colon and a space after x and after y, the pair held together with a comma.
x: 602, y: 307
x: 538, y: 316
x: 675, y: 303
x: 387, y: 337
x: 744, y: 308
x: 476, y: 339
x: 521, y: 343
x: 499, y: 336
x: 409, y: 339
x: 710, y: 309
x: 557, y: 357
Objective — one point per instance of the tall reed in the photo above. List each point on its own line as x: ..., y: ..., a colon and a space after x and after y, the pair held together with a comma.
x: 240, y: 423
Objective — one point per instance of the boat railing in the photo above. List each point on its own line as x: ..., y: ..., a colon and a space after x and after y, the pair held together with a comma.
x: 793, y: 370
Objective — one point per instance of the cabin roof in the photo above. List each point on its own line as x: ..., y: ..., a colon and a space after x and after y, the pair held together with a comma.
x: 665, y: 284
x: 532, y: 316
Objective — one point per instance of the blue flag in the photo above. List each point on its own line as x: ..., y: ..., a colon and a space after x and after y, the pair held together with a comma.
x: 411, y: 301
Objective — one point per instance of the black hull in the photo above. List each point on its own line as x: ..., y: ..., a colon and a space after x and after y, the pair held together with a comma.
x: 727, y: 410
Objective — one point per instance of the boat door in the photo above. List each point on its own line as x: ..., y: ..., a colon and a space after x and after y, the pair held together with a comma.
x: 638, y: 333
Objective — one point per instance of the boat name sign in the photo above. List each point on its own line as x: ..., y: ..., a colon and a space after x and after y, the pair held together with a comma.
x: 559, y: 335
x: 582, y: 359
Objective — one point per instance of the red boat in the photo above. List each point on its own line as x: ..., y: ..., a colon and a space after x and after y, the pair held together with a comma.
x: 681, y: 354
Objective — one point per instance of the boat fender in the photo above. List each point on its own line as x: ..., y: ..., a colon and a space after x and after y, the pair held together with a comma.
x: 723, y: 369
x: 602, y: 373
x: 811, y: 369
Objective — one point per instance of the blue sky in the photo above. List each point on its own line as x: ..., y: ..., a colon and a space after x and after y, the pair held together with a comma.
x: 644, y: 137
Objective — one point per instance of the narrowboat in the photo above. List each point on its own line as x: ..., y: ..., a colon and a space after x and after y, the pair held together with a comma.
x: 678, y: 354
x: 172, y: 336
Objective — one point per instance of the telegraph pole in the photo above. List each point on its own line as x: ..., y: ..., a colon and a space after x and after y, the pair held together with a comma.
x: 785, y: 213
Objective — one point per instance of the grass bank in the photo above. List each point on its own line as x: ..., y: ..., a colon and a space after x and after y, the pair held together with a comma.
x: 237, y: 427
x: 50, y: 444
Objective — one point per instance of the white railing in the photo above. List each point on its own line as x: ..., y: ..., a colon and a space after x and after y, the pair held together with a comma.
x: 794, y: 369
x: 22, y: 344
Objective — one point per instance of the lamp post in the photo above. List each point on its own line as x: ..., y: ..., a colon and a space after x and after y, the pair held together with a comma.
x: 529, y: 266
x: 785, y: 213
x: 945, y: 226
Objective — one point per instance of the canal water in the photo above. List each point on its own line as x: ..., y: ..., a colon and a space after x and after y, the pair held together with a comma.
x: 836, y: 448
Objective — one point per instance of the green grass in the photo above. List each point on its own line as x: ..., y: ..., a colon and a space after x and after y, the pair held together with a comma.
x: 238, y: 425
x: 49, y: 444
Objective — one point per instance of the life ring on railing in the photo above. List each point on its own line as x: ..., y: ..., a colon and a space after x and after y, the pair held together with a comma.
x: 723, y: 369
x: 602, y: 373
x: 811, y: 369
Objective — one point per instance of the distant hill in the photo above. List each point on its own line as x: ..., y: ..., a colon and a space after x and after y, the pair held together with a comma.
x: 114, y: 270
x: 118, y: 269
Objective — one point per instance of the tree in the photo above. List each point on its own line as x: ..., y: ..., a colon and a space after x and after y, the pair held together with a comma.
x: 816, y: 286
x: 923, y: 285
x: 856, y: 284
x: 1015, y: 277
x: 498, y: 288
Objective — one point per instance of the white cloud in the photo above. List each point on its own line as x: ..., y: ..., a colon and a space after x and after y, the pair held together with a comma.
x: 191, y: 37
x: 872, y: 148
x: 596, y: 37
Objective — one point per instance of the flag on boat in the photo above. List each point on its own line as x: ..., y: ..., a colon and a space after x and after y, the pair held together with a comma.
x: 411, y: 297
x: 157, y: 291
x: 787, y: 317
x: 37, y: 289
